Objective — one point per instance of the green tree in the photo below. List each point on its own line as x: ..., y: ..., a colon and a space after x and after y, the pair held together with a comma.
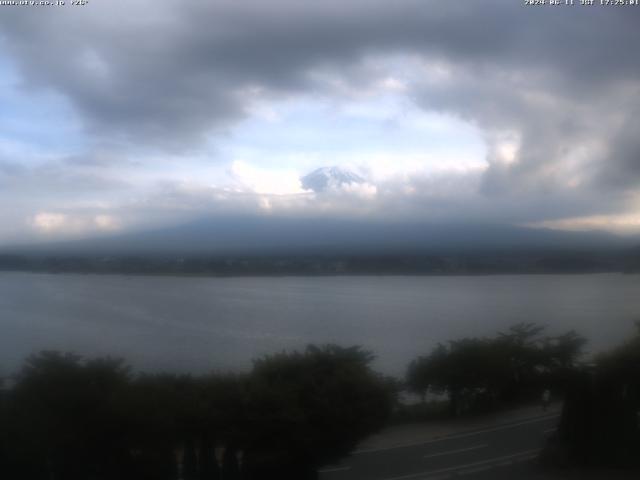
x: 309, y: 409
x: 72, y: 419
x: 63, y: 417
x: 478, y: 373
x: 600, y: 423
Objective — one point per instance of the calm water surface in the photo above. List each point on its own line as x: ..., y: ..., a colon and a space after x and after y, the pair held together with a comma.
x: 199, y: 324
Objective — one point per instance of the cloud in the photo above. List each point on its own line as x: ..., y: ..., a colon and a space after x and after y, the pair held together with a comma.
x: 619, y: 223
x: 68, y: 225
x: 178, y: 71
x: 249, y: 178
x: 47, y: 222
x: 160, y: 91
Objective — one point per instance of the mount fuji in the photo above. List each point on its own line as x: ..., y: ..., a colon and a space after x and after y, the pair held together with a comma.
x: 326, y: 178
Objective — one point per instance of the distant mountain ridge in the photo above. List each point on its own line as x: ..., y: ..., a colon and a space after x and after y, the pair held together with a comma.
x: 318, y: 246
x: 288, y: 235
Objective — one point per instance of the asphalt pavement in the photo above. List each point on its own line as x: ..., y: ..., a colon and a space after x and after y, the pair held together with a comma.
x: 498, y: 451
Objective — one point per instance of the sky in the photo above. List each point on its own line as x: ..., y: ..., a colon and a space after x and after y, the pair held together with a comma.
x: 124, y: 115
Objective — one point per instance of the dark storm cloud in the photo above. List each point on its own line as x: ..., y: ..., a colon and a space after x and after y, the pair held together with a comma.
x: 558, y: 85
x: 620, y: 167
x: 169, y: 73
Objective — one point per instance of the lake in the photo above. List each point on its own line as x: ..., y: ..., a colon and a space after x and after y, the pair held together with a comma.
x: 199, y: 324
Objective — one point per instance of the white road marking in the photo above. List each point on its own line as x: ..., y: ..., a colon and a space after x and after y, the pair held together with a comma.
x: 459, y: 450
x: 336, y: 469
x: 520, y: 456
x: 456, y: 436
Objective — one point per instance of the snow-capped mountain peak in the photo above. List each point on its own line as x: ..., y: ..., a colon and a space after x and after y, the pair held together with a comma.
x: 325, y: 178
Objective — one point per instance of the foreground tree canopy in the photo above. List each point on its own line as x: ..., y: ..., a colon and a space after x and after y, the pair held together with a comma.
x: 600, y: 423
x: 476, y: 373
x: 65, y: 418
x: 68, y: 419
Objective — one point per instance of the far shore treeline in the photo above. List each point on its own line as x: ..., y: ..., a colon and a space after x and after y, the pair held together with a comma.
x: 439, y: 262
x: 68, y: 418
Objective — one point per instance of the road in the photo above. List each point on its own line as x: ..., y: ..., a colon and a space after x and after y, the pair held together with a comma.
x: 502, y: 451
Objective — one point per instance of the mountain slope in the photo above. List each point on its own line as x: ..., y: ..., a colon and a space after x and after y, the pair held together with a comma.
x: 284, y: 235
